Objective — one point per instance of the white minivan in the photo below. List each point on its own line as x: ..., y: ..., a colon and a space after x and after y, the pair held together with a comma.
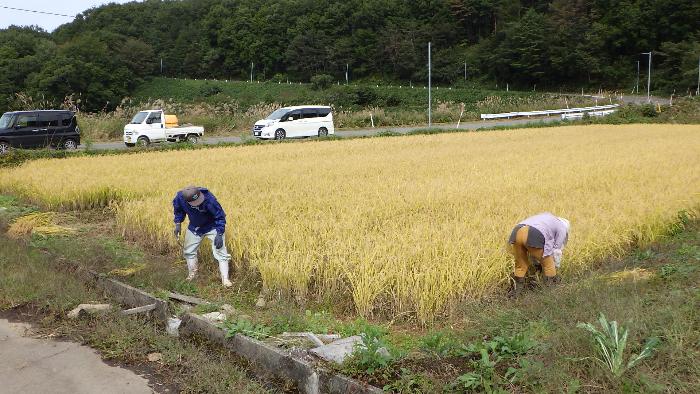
x: 292, y: 122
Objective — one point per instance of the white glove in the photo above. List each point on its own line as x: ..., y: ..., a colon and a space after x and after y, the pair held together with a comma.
x: 556, y: 254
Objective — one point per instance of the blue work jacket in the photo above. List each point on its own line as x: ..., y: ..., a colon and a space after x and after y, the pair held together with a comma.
x: 207, y: 216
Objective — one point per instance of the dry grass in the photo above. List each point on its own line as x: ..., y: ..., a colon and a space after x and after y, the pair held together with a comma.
x: 398, y: 224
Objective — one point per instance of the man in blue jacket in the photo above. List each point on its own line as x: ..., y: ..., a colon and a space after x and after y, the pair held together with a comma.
x: 207, y: 219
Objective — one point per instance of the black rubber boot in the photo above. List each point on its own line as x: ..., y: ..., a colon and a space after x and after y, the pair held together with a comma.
x: 517, y: 286
x: 551, y: 280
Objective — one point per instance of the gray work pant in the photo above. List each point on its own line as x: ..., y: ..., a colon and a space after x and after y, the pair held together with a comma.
x: 192, y: 242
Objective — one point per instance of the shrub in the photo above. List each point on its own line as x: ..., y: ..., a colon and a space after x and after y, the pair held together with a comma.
x: 209, y: 89
x: 321, y: 81
x: 279, y: 77
x: 366, y: 96
x: 648, y: 111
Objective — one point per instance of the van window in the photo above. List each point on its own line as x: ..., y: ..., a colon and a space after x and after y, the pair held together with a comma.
x: 310, y: 113
x: 154, y: 117
x: 48, y: 119
x: 139, y: 118
x: 278, y: 114
x: 323, y: 112
x: 6, y: 121
x: 294, y: 115
x: 27, y: 120
x: 66, y: 119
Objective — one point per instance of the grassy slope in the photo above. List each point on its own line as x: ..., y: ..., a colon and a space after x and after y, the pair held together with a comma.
x: 230, y: 108
x: 39, y: 282
x: 247, y: 94
x: 653, y: 291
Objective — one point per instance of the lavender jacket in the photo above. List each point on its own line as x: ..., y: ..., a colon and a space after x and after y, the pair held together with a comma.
x: 555, y: 232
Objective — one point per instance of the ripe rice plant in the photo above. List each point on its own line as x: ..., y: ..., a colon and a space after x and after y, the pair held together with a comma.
x: 412, y: 224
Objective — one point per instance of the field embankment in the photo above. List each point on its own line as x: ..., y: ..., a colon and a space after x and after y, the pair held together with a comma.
x: 396, y: 225
x: 232, y: 107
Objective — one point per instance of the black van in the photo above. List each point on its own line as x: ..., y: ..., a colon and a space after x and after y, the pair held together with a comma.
x: 39, y: 129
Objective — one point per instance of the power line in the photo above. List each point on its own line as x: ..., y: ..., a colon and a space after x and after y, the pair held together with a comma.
x: 36, y: 12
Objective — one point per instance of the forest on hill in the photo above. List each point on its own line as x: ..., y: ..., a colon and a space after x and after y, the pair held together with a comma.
x: 106, y: 52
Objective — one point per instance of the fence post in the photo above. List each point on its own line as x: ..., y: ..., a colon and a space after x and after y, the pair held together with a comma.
x: 460, y: 116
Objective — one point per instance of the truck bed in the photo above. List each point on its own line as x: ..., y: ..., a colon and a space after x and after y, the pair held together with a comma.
x: 183, y: 130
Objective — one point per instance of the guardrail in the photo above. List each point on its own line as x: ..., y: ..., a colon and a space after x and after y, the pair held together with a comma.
x: 508, y: 115
x: 580, y: 115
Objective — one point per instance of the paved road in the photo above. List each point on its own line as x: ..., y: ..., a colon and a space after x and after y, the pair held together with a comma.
x: 29, y: 365
x: 345, y: 133
x: 403, y: 130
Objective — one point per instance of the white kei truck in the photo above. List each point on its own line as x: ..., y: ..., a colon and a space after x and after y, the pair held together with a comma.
x: 156, y: 126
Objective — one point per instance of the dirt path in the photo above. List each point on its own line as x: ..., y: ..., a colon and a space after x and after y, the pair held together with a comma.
x: 30, y: 365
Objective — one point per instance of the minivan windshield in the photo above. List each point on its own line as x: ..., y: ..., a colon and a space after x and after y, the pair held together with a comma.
x: 139, y: 118
x: 6, y: 121
x: 277, y: 114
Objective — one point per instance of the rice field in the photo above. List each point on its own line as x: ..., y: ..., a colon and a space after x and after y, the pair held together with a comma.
x: 397, y: 225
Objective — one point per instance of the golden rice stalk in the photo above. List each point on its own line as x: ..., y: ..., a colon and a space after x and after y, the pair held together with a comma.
x: 398, y: 225
x: 25, y: 225
x: 53, y: 229
x: 127, y: 271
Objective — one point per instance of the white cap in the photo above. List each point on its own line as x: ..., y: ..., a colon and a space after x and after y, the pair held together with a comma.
x: 565, y: 222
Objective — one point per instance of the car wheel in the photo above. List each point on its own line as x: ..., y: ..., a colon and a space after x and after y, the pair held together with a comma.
x: 280, y: 134
x: 69, y: 145
x: 4, y: 147
x: 323, y: 132
x: 143, y: 141
x: 193, y: 138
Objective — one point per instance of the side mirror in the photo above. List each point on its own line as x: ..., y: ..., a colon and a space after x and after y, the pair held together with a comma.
x: 149, y: 121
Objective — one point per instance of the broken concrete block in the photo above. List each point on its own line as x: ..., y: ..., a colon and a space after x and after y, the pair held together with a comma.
x: 313, y: 338
x: 153, y: 357
x: 214, y: 317
x: 229, y: 310
x: 308, y: 335
x: 88, y: 308
x: 140, y: 309
x: 328, y: 338
x: 187, y: 299
x: 337, y: 351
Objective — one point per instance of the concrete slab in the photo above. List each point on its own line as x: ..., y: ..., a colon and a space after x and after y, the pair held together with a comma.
x: 337, y: 351
x: 32, y: 365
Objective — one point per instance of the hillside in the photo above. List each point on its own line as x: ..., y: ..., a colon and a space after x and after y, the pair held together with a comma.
x: 107, y: 51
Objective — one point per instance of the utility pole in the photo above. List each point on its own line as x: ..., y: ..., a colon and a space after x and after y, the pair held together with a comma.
x: 430, y: 98
x: 251, y: 71
x: 648, y: 77
x: 697, y: 92
x: 161, y: 65
x: 347, y: 74
x: 637, y: 84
